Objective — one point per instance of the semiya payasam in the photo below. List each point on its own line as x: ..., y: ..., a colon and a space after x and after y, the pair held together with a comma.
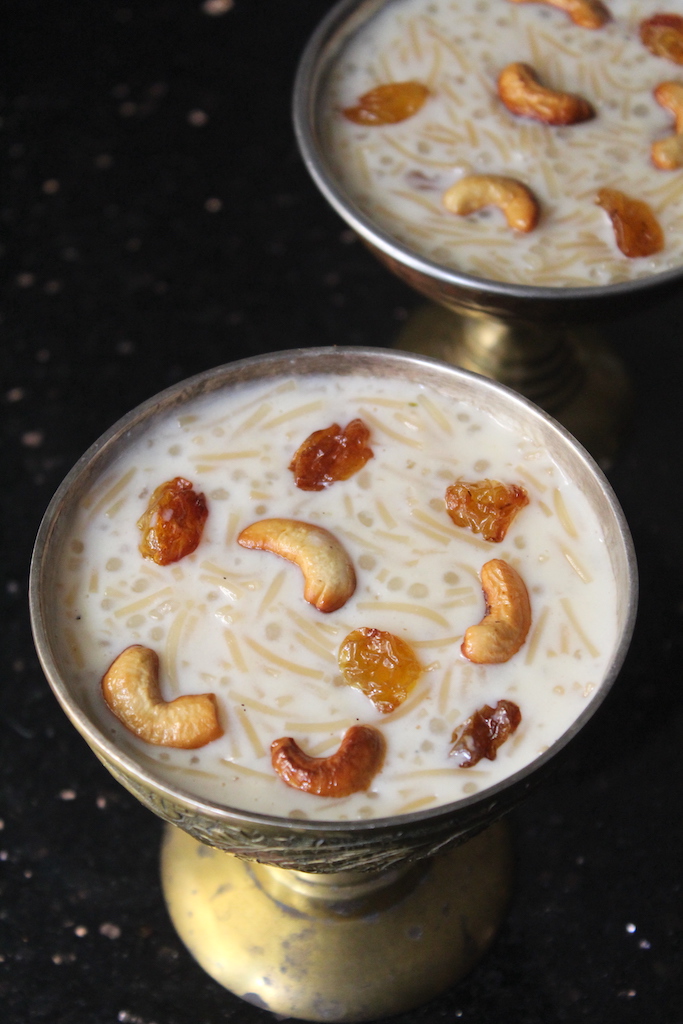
x: 537, y: 107
x: 233, y: 621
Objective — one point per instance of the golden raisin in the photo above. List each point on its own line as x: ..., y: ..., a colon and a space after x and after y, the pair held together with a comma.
x: 382, y: 666
x: 173, y: 522
x: 487, y: 506
x: 331, y: 454
x: 483, y: 733
x: 663, y: 36
x: 388, y: 104
x: 637, y: 231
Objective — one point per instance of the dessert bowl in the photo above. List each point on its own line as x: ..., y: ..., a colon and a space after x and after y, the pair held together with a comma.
x: 238, y: 879
x: 541, y: 339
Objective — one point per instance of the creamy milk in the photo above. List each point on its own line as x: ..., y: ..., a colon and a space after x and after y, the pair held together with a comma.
x: 397, y: 173
x: 234, y: 621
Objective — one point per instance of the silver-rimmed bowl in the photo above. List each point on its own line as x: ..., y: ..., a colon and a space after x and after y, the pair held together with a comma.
x: 325, y: 846
x: 462, y: 292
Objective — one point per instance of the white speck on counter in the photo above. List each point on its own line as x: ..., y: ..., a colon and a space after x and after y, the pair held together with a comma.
x: 109, y: 930
x: 216, y: 8
x: 32, y: 438
x: 197, y: 118
x: 63, y: 958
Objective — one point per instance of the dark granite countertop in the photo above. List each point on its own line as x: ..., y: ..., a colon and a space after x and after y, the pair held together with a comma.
x: 157, y: 221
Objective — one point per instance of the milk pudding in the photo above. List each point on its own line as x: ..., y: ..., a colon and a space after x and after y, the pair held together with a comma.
x: 398, y: 173
x: 233, y: 621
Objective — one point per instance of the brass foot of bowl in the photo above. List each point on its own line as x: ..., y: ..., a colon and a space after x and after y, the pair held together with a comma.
x: 349, y: 946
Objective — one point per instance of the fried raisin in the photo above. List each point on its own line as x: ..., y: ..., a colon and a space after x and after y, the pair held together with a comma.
x: 382, y: 666
x: 173, y: 522
x: 663, y: 36
x: 637, y: 231
x: 388, y: 104
x: 484, y: 732
x: 331, y: 454
x: 487, y: 506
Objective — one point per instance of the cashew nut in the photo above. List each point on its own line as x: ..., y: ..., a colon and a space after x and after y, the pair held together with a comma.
x: 504, y: 628
x: 329, y: 577
x: 522, y: 93
x: 130, y: 687
x: 586, y: 13
x: 667, y: 154
x: 476, y: 191
x: 349, y: 770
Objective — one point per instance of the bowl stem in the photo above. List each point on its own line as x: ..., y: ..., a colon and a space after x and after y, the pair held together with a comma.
x: 569, y: 371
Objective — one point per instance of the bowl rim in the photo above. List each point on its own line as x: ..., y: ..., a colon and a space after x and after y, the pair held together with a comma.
x: 322, y: 45
x: 211, y: 380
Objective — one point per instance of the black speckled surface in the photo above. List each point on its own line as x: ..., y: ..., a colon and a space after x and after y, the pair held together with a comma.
x: 157, y: 220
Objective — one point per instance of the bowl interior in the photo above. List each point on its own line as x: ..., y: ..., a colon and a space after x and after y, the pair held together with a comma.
x: 507, y: 406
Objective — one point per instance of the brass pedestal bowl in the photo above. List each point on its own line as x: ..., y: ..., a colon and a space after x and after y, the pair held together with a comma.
x: 326, y: 920
x: 548, y: 343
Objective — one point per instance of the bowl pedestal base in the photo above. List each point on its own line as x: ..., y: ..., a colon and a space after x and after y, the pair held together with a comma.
x: 350, y: 946
x: 569, y: 372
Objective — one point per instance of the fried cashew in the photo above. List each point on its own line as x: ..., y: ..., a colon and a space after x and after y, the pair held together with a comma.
x: 522, y: 93
x: 475, y: 191
x: 130, y: 687
x: 349, y: 770
x: 329, y: 576
x: 504, y: 628
x: 667, y: 154
x: 585, y: 13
